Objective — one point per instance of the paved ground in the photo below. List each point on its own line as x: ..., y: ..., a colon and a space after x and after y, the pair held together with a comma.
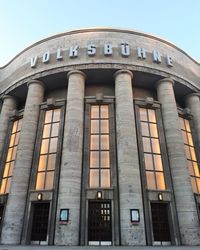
x: 5, y: 247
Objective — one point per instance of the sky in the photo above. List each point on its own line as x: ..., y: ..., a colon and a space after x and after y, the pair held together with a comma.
x: 24, y: 22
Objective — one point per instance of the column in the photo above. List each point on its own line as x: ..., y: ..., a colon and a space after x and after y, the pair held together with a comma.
x: 71, y: 163
x: 14, y: 214
x: 9, y: 104
x: 130, y: 192
x: 184, y: 198
x: 193, y: 103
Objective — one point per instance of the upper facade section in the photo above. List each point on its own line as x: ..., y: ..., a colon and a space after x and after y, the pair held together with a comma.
x: 100, y: 48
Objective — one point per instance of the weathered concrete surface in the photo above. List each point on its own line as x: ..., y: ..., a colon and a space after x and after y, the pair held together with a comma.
x: 71, y: 162
x: 9, y: 104
x: 7, y: 247
x: 184, y: 198
x: 128, y: 163
x: 13, y: 222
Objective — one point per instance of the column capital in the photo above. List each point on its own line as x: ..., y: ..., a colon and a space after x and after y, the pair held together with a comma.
x: 167, y: 79
x: 34, y: 81
x: 76, y: 72
x: 123, y: 71
x: 197, y: 94
x: 8, y: 97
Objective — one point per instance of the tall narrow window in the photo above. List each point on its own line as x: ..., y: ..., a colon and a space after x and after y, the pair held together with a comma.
x: 151, y: 147
x: 99, y: 147
x: 191, y: 155
x: 10, y: 158
x: 48, y: 150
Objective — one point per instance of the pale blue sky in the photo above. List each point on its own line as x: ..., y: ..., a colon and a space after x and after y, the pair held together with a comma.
x: 23, y: 22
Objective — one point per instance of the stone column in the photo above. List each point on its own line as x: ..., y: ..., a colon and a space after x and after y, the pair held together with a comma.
x: 14, y: 214
x: 193, y: 103
x: 8, y: 106
x: 130, y: 192
x: 184, y: 198
x: 71, y: 163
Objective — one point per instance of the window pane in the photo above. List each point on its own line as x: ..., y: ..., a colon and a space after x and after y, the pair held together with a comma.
x: 94, y: 178
x: 14, y: 153
x: 145, y: 128
x: 53, y: 145
x: 187, y: 125
x: 56, y: 115
x: 8, y: 184
x: 196, y: 169
x: 48, y: 116
x: 105, y: 159
x: 94, y: 126
x: 153, y: 130
x: 182, y: 123
x: 152, y: 115
x: 158, y: 162
x: 187, y: 152
x: 49, y: 180
x: 146, y: 144
x: 94, y: 142
x: 194, y: 186
x: 6, y: 170
x: 3, y: 186
x: 104, y: 126
x: 14, y: 129
x: 42, y: 163
x: 104, y: 141
x: 105, y: 178
x: 190, y: 140
x: 150, y: 180
x: 94, y: 159
x: 160, y: 181
x: 17, y: 138
x: 193, y: 154
x: 155, y: 145
x: 51, y: 162
x: 148, y: 161
x: 55, y: 129
x: 143, y: 114
x: 40, y: 181
x: 44, y: 146
x: 198, y: 184
x: 104, y: 111
x: 190, y: 167
x: 9, y: 155
x: 46, y: 131
x: 94, y: 111
x: 185, y: 140
x: 12, y: 140
x: 19, y: 125
x: 11, y: 168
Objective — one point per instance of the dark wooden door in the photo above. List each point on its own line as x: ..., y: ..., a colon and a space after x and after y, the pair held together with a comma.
x: 161, y: 231
x: 40, y: 222
x: 99, y: 221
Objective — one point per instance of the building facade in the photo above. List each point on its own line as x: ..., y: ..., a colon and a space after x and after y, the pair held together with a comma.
x: 100, y: 142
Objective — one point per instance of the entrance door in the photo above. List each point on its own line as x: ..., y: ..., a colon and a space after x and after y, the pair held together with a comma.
x: 99, y: 223
x: 1, y: 214
x: 161, y: 231
x: 40, y: 222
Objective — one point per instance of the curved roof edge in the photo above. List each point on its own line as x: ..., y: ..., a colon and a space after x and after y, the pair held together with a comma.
x: 102, y: 29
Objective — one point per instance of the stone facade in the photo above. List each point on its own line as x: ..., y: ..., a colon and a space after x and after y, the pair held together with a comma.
x: 101, y: 157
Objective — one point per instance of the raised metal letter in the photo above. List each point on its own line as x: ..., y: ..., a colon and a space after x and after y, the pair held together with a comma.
x: 91, y: 49
x: 58, y: 55
x: 46, y: 57
x: 125, y: 49
x: 169, y: 61
x: 108, y: 49
x: 156, y: 57
x: 141, y: 53
x: 34, y: 61
x: 73, y: 51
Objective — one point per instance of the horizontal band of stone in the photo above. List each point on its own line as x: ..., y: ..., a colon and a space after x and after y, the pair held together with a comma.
x: 76, y: 72
x: 34, y: 81
x: 123, y: 71
x: 164, y: 80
